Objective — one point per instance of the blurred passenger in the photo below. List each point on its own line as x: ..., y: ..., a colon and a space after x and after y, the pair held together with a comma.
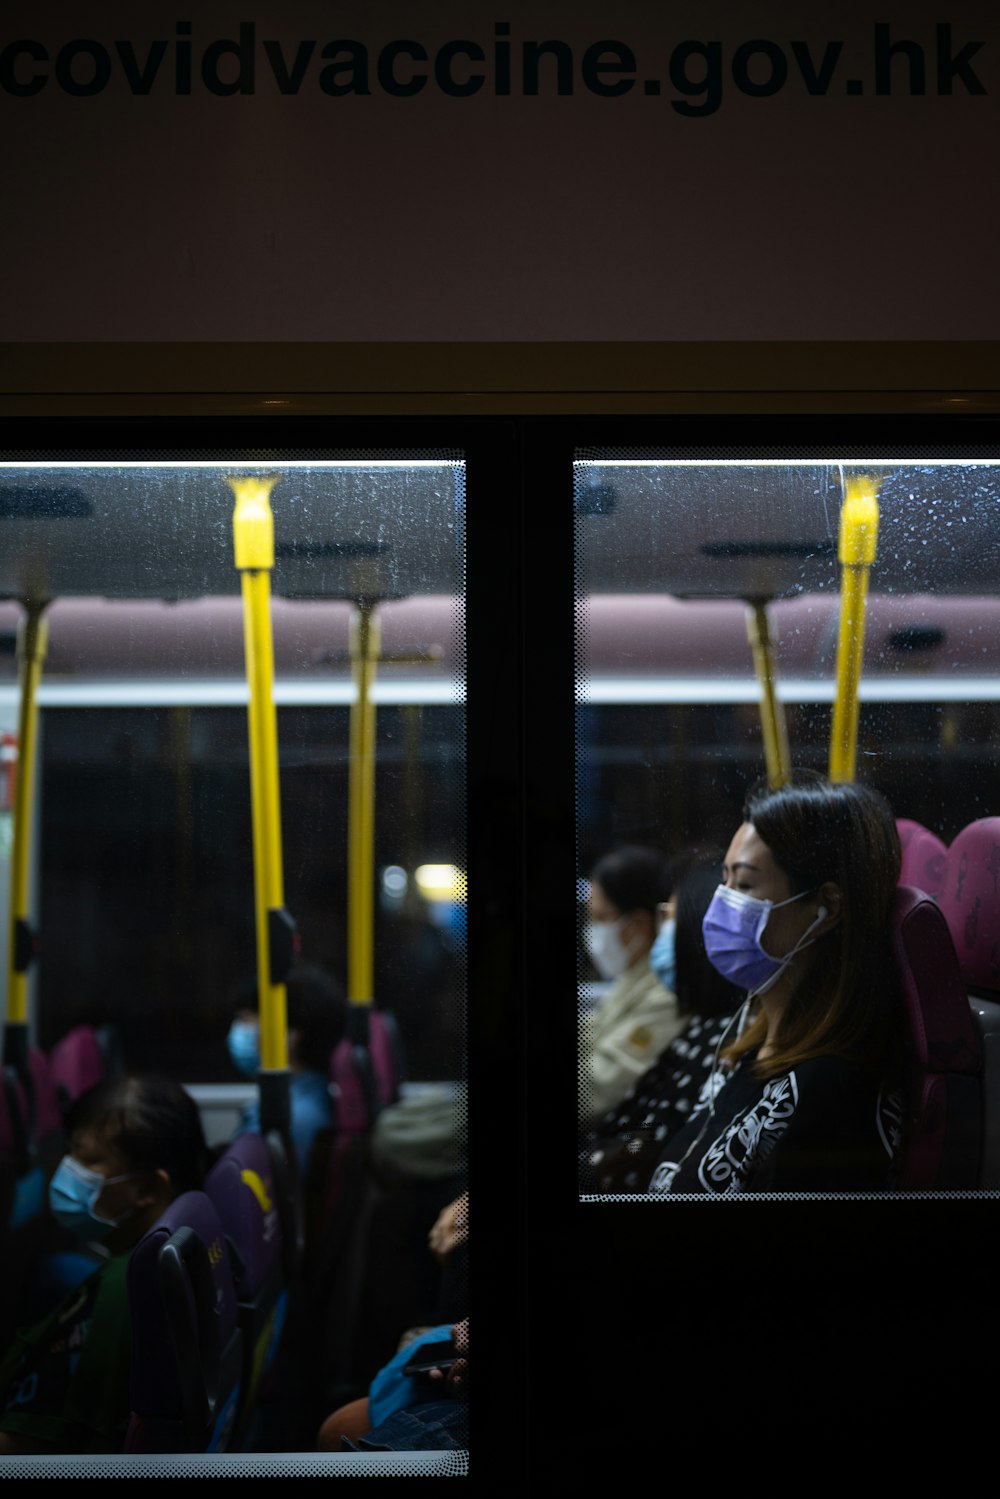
x: 450, y: 1229
x: 804, y: 1097
x: 621, y: 1148
x: 637, y: 1017
x: 448, y: 1242
x: 136, y: 1143
x: 416, y: 1272
x: 317, y: 1023
x: 407, y: 1413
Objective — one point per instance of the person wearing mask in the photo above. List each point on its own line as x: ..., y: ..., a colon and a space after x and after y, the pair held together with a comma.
x: 804, y: 1096
x: 136, y: 1143
x: 637, y: 1017
x: 619, y: 1150
x: 317, y: 1022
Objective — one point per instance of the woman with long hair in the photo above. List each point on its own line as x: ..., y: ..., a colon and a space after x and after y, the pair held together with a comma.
x: 802, y: 1096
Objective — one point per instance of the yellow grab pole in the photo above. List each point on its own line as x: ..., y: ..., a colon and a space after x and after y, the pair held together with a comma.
x: 253, y: 529
x: 364, y: 648
x: 774, y: 730
x: 32, y: 644
x: 858, y: 538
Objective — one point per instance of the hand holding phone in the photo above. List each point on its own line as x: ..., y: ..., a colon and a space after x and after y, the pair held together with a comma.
x: 440, y: 1354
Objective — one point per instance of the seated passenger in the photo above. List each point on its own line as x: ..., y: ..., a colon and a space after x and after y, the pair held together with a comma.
x: 803, y: 1098
x: 620, y: 1149
x: 406, y: 1413
x: 317, y: 1022
x: 136, y: 1143
x: 638, y: 1016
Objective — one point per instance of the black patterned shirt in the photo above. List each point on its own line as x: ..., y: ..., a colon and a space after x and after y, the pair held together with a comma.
x: 618, y: 1153
x: 828, y: 1125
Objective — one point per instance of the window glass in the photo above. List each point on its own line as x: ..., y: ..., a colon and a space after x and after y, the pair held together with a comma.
x: 681, y: 556
x: 141, y: 900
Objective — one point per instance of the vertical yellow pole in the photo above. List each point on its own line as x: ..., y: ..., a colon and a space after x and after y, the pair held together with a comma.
x: 253, y: 528
x: 32, y: 644
x: 774, y: 730
x: 364, y: 647
x: 858, y: 538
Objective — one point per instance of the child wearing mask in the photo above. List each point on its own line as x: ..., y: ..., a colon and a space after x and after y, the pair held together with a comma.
x: 136, y: 1143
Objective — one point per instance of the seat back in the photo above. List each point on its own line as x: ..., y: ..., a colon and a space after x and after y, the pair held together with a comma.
x: 366, y: 1069
x: 31, y: 1125
x: 943, y: 1126
x: 112, y: 1049
x: 386, y: 1047
x: 244, y: 1188
x: 77, y: 1062
x: 325, y: 1304
x: 354, y: 1091
x: 47, y: 1106
x: 925, y: 857
x: 970, y: 901
x: 186, y: 1341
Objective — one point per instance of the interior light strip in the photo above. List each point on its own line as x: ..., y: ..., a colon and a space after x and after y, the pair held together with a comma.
x: 638, y: 690
x: 231, y: 694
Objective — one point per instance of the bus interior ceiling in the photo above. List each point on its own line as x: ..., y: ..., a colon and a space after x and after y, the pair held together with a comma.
x: 670, y: 553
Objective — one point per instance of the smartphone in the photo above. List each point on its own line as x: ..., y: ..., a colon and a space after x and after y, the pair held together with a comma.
x: 439, y: 1355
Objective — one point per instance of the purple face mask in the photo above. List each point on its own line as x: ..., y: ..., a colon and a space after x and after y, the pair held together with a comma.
x: 733, y: 926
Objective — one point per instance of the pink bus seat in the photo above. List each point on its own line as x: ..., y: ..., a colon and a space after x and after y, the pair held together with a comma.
x: 386, y: 1046
x: 925, y: 857
x: 971, y: 905
x: 77, y: 1061
x: 943, y: 1055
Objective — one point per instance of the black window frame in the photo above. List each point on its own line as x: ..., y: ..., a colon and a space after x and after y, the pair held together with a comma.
x: 610, y: 1334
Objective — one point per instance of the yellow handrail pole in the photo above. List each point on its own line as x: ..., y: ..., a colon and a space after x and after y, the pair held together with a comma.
x: 32, y: 645
x: 773, y: 728
x: 364, y: 651
x: 858, y: 539
x: 253, y: 529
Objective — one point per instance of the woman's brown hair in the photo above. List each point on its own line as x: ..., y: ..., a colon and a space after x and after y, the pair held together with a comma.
x: 843, y: 833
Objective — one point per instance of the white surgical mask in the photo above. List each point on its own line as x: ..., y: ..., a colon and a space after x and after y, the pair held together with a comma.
x: 608, y: 953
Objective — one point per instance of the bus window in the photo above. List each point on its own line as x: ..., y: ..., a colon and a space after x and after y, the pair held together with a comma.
x: 142, y: 888
x: 681, y: 555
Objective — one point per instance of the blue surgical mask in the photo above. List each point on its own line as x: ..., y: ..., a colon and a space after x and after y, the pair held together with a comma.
x: 663, y: 955
x: 243, y: 1042
x: 74, y: 1190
